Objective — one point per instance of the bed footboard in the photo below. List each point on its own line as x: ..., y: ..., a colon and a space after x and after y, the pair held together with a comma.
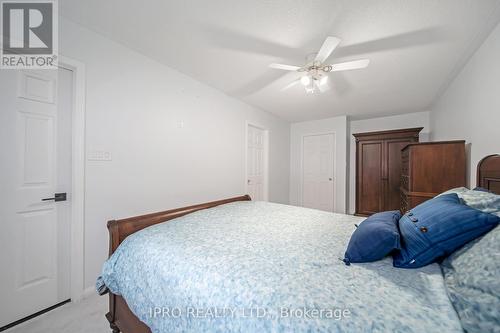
x: 120, y: 317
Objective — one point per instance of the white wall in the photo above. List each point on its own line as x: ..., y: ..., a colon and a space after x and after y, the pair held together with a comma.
x: 134, y: 108
x: 410, y: 120
x: 470, y: 108
x: 337, y: 125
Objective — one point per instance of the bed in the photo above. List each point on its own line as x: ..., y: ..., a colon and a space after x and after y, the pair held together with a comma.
x: 243, y: 266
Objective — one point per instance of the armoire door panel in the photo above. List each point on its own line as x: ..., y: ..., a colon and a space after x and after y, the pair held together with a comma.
x: 371, y: 177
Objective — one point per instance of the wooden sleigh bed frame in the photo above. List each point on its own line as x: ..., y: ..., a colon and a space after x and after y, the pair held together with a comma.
x: 120, y: 316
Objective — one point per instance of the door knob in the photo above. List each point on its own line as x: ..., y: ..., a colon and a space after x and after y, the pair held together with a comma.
x: 330, y: 179
x: 57, y: 197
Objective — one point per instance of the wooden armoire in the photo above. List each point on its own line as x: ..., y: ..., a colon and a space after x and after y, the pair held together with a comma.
x: 378, y: 169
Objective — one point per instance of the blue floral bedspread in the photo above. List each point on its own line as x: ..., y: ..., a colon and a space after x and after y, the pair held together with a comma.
x: 263, y: 267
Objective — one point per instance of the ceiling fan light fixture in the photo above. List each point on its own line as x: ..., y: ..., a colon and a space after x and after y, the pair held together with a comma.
x: 305, y: 80
x: 310, y: 90
x: 311, y: 87
x: 315, y: 77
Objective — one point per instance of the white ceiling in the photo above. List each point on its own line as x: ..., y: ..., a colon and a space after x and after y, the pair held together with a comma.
x: 415, y: 46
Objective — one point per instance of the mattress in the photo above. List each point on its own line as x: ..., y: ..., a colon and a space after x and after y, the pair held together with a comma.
x: 265, y: 267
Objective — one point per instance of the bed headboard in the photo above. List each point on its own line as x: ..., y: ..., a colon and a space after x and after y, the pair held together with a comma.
x: 488, y: 173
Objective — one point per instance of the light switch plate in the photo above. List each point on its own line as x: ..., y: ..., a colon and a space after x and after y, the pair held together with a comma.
x: 99, y: 155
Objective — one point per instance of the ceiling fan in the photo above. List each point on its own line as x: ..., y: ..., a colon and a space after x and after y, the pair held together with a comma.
x: 316, y: 70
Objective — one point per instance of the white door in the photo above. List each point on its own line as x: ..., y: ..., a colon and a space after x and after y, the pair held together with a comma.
x: 35, y: 147
x: 318, y: 170
x: 257, y: 163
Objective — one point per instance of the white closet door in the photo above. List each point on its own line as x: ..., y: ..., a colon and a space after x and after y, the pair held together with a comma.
x: 256, y: 160
x: 36, y: 163
x: 317, y: 172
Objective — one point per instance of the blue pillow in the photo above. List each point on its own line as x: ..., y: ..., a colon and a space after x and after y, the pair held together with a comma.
x: 438, y: 227
x: 375, y: 238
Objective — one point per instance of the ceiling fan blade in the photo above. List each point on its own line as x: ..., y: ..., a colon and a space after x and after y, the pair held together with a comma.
x: 327, y: 48
x: 284, y: 67
x: 348, y: 65
x: 291, y: 84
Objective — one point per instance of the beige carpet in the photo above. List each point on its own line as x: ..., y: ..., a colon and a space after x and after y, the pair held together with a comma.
x: 86, y: 316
